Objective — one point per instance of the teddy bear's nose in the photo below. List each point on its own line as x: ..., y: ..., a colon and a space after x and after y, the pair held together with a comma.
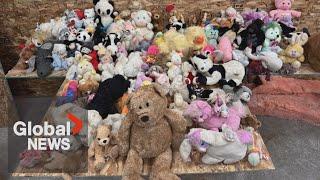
x: 104, y: 141
x: 145, y: 119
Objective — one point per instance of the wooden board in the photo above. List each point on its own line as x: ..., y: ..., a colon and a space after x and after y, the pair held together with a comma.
x: 178, y: 166
x: 31, y: 85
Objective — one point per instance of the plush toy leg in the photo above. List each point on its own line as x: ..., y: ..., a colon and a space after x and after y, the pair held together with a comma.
x: 211, y: 160
x: 133, y: 166
x: 161, y: 168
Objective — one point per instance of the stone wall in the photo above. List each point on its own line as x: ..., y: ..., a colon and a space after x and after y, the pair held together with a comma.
x: 19, y: 17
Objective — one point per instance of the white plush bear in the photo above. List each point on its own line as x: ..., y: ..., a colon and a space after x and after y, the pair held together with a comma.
x: 175, y: 65
x: 107, y: 69
x: 133, y: 66
x: 89, y: 15
x: 72, y: 71
x: 141, y: 20
x: 115, y: 121
x: 85, y: 71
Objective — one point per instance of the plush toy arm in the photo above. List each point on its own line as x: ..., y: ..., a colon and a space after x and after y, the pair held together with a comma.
x: 295, y: 13
x: 150, y: 26
x: 214, y: 138
x: 176, y: 121
x: 124, y: 136
x: 273, y: 13
x: 214, y: 78
x: 301, y: 59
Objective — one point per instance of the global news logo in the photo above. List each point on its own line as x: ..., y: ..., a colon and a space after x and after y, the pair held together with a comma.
x: 48, y: 137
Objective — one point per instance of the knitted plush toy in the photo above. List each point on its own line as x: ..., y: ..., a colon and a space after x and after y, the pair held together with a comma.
x: 283, y: 14
x: 148, y: 132
x: 107, y: 95
x: 227, y: 146
x: 294, y: 53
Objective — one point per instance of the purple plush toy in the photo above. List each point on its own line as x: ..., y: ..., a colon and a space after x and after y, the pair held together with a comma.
x: 212, y: 118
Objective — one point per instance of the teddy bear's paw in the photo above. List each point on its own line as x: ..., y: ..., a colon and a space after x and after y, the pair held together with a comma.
x: 132, y: 177
x: 98, y: 165
x: 165, y: 176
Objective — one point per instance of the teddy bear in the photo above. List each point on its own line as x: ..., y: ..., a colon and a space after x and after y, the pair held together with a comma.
x: 133, y: 65
x: 149, y: 117
x: 105, y: 13
x: 89, y: 15
x: 284, y: 15
x: 85, y: 69
x: 102, y: 147
x: 89, y: 85
x: 107, y: 95
x: 174, y: 65
x: 273, y: 33
x: 227, y: 146
x: 141, y: 20
x: 59, y: 53
x: 294, y: 53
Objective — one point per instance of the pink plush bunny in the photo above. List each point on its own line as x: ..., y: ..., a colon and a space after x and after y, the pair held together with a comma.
x: 225, y: 46
x: 283, y: 13
x: 210, y: 118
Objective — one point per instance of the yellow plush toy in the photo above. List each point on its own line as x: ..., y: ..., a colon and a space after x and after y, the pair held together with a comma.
x: 196, y: 37
x: 293, y: 54
x: 171, y: 41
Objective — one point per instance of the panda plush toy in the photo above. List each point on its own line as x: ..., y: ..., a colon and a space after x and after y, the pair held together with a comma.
x: 111, y: 43
x: 105, y: 13
x: 230, y: 73
x: 84, y: 42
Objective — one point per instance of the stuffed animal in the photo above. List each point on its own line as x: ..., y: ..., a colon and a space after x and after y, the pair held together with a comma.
x: 89, y: 84
x: 59, y: 53
x: 142, y: 80
x: 94, y: 119
x: 149, y: 117
x: 25, y: 55
x: 252, y: 36
x: 312, y: 52
x: 89, y: 15
x: 84, y: 41
x: 107, y: 70
x: 227, y: 146
x: 230, y: 73
x: 211, y: 117
x: 212, y: 34
x: 250, y: 15
x: 69, y: 93
x: 171, y: 41
x: 196, y: 37
x: 273, y: 33
x: 141, y: 20
x: 174, y: 65
x: 224, y: 51
x: 240, y: 56
x: 235, y: 16
x: 284, y: 14
x: 108, y: 93
x: 44, y: 59
x: 114, y: 120
x: 269, y: 59
x: 111, y: 43
x: 294, y: 53
x: 105, y: 13
x: 101, y: 146
x: 177, y: 24
x: 133, y: 65
x: 85, y: 69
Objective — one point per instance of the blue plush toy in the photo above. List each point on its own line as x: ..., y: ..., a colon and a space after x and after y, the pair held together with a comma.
x: 212, y: 34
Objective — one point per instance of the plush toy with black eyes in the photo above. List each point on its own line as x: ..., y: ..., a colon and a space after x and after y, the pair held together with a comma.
x: 230, y: 73
x: 111, y: 43
x: 105, y: 13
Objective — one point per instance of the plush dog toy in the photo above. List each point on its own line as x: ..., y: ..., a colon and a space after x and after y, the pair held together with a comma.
x: 148, y: 132
x: 107, y: 95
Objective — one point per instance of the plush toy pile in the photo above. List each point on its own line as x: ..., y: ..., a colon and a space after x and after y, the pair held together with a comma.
x: 149, y: 93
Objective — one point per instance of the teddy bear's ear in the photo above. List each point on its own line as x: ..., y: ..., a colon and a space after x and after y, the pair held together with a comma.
x: 157, y: 87
x: 149, y: 14
x: 95, y: 1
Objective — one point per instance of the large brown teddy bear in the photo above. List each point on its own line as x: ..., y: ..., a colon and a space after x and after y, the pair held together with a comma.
x: 149, y: 132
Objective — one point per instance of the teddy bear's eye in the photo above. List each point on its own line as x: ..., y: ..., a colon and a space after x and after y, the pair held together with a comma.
x: 99, y: 11
x: 108, y: 11
x: 98, y: 139
x: 140, y: 107
x: 147, y: 104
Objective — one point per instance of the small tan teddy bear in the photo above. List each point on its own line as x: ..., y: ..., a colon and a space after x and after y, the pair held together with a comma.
x: 102, y: 147
x: 150, y: 130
